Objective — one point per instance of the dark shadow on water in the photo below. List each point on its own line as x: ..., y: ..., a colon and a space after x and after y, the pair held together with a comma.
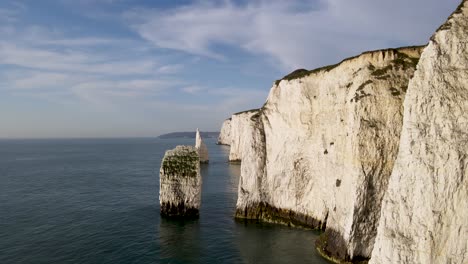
x: 204, y: 170
x: 178, y: 239
x: 260, y: 242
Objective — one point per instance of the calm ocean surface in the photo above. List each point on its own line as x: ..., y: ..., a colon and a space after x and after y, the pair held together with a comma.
x: 96, y: 201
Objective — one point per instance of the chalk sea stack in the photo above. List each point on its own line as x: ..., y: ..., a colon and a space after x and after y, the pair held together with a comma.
x: 201, y: 148
x: 180, y: 183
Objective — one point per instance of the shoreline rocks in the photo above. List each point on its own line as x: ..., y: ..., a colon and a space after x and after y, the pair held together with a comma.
x: 180, y: 183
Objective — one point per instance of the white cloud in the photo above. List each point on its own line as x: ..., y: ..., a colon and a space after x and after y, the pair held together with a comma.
x: 71, y: 60
x: 40, y: 80
x: 193, y: 89
x: 294, y: 33
x: 48, y: 65
x: 170, y: 69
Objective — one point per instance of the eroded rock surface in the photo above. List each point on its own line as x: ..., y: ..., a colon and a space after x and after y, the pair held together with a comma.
x: 180, y: 183
x: 424, y: 217
x: 321, y: 150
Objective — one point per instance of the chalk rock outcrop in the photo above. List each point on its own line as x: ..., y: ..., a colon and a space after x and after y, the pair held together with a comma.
x: 239, y: 124
x: 180, y: 182
x: 424, y: 217
x: 225, y: 133
x: 320, y: 151
x: 201, y: 148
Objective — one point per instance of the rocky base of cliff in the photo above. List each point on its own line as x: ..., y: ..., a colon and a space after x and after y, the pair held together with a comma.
x: 332, y: 246
x: 179, y: 210
x: 267, y: 213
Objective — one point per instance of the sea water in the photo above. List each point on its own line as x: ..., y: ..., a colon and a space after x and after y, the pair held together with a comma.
x: 96, y: 201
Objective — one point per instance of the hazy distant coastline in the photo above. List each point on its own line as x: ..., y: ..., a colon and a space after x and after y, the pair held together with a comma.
x: 188, y: 135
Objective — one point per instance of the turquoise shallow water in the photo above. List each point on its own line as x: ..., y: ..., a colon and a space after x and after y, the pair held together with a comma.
x: 96, y: 201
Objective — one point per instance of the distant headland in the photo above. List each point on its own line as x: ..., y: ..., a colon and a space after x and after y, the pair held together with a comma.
x: 188, y: 135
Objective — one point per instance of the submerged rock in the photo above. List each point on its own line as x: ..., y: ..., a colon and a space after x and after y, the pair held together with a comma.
x: 424, y: 217
x: 225, y: 133
x: 320, y: 151
x: 180, y: 182
x: 201, y: 148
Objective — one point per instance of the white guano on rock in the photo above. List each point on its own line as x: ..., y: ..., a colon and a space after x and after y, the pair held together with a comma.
x: 201, y: 148
x: 180, y: 183
x: 320, y: 151
x: 424, y: 217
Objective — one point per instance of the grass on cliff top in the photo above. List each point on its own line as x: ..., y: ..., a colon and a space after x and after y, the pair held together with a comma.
x: 300, y: 73
x: 402, y: 61
x: 181, y: 165
x: 246, y: 111
x: 448, y: 23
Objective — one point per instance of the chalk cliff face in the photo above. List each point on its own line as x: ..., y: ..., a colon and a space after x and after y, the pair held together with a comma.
x: 239, y: 123
x: 424, y: 217
x: 225, y: 133
x: 321, y: 150
x: 180, y: 182
x: 201, y: 148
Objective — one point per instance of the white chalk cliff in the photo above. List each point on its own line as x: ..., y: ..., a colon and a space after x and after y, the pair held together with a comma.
x: 224, y: 137
x: 321, y: 150
x: 180, y: 182
x: 239, y: 123
x: 424, y: 216
x: 201, y: 148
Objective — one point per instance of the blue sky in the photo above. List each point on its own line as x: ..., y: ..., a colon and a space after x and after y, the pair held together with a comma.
x: 119, y: 68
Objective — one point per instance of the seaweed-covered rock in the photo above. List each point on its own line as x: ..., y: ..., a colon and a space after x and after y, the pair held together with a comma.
x: 201, y: 148
x: 180, y: 183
